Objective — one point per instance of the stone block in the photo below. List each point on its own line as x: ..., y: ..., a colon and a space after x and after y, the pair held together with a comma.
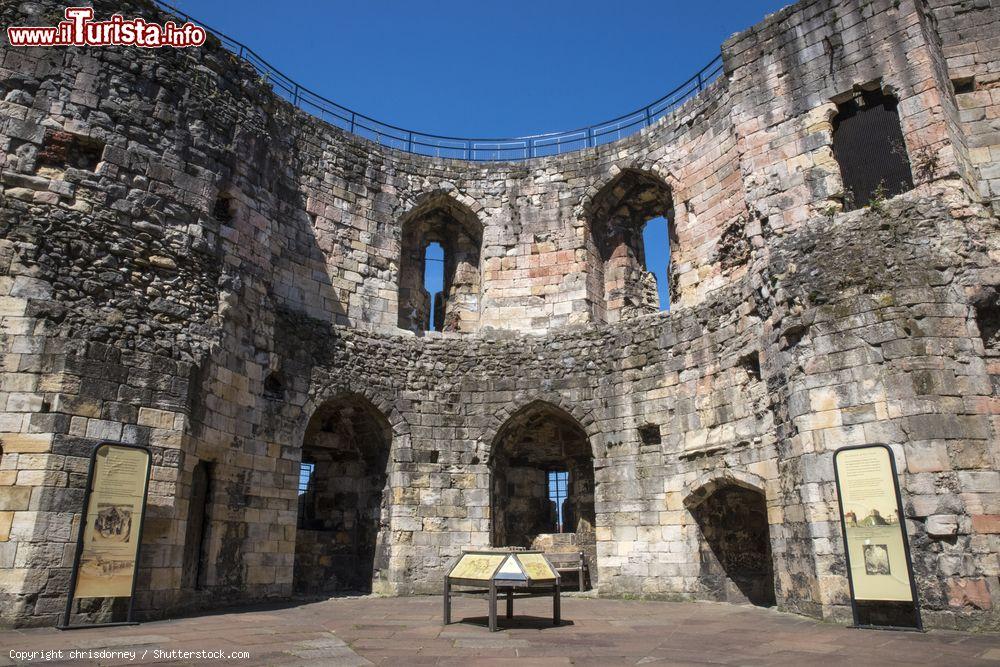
x: 927, y: 457
x: 6, y: 520
x: 25, y: 442
x: 986, y: 523
x: 942, y: 525
x: 969, y: 592
x: 14, y: 498
x: 986, y: 481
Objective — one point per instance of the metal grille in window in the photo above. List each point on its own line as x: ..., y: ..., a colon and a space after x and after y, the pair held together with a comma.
x: 868, y: 144
x: 558, y: 485
x: 307, y: 494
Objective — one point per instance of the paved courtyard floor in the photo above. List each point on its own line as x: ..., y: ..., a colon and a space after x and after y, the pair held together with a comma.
x: 408, y: 631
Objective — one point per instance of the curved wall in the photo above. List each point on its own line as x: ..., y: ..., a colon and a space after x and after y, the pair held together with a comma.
x: 231, y: 264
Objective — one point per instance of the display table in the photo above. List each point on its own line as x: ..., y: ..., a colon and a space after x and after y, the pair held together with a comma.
x: 512, y: 572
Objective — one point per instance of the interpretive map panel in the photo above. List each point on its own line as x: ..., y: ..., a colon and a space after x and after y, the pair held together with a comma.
x: 872, y: 529
x: 477, y: 566
x: 108, y: 553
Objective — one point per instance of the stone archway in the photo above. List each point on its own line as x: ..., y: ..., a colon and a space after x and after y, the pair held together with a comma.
x: 341, y: 535
x: 621, y: 284
x: 734, y: 545
x: 542, y: 483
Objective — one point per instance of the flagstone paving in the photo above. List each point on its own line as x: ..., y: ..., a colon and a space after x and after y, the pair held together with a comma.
x: 408, y: 631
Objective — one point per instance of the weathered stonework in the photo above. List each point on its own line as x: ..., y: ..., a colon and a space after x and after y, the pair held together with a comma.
x: 190, y: 263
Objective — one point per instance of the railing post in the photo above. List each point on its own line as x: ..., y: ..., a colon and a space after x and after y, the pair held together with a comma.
x: 468, y: 150
x: 296, y: 102
x: 531, y: 148
x: 590, y: 137
x: 241, y: 51
x: 699, y: 82
x: 353, y: 115
x: 649, y: 118
x: 409, y: 142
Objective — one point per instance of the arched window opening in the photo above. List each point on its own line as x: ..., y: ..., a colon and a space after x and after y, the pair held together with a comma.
x: 434, y: 284
x: 341, y: 498
x: 735, y: 546
x: 196, y: 556
x: 656, y: 246
x: 542, y: 484
x: 440, y: 222
x: 631, y: 234
x: 868, y: 144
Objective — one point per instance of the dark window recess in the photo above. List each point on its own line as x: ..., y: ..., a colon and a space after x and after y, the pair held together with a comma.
x: 274, y: 386
x: 751, y: 363
x: 307, y: 492
x: 649, y: 434
x: 988, y: 319
x: 64, y: 149
x: 558, y: 491
x: 868, y: 144
x: 223, y: 209
x: 195, y: 536
x: 964, y: 85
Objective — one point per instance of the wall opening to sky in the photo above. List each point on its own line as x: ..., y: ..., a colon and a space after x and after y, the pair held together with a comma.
x: 434, y: 282
x: 656, y: 242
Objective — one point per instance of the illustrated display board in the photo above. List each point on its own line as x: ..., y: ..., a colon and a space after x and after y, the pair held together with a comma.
x: 537, y: 567
x: 477, y: 566
x: 484, y: 566
x: 107, y: 552
x: 878, y: 555
x: 512, y: 572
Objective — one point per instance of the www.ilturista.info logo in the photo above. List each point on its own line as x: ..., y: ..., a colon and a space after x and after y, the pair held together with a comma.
x: 80, y: 30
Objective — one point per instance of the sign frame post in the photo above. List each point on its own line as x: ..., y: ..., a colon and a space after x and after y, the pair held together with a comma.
x: 915, y: 599
x: 84, y: 518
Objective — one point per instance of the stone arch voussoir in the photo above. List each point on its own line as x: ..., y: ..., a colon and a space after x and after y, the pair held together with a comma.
x: 657, y: 168
x: 382, y: 403
x: 412, y: 205
x: 583, y: 418
x: 704, y: 486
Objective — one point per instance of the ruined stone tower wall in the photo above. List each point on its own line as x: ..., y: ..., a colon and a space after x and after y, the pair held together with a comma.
x: 227, y: 265
x: 967, y: 33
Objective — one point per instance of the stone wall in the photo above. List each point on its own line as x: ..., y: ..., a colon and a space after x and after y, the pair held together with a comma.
x: 191, y: 264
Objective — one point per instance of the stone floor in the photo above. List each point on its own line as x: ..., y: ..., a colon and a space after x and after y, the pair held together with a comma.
x: 408, y: 631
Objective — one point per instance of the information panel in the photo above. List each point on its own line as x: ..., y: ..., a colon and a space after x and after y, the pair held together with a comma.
x: 874, y: 537
x: 477, y: 566
x: 108, y: 551
x: 537, y: 567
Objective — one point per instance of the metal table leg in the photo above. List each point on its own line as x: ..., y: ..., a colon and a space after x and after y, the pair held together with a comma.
x: 555, y: 604
x: 447, y: 601
x: 493, y: 606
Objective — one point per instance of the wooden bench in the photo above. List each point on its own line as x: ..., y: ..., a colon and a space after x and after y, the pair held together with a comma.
x: 566, y: 562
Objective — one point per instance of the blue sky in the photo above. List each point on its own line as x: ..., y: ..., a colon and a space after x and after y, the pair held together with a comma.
x: 486, y: 69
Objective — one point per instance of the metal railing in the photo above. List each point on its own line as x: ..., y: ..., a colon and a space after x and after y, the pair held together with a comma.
x: 436, y: 145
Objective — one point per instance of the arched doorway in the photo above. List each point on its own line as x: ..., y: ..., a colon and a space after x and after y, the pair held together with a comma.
x: 542, y: 483
x: 341, y: 498
x: 734, y: 544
